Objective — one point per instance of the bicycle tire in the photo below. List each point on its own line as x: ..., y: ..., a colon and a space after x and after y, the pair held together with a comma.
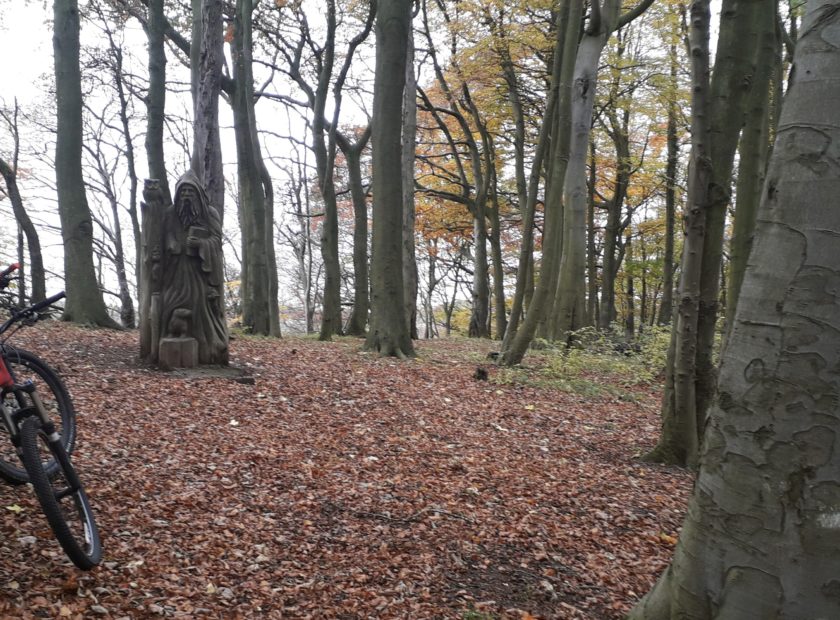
x: 62, y: 497
x: 25, y: 365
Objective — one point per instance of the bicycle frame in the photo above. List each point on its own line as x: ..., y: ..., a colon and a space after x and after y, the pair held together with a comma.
x: 12, y: 419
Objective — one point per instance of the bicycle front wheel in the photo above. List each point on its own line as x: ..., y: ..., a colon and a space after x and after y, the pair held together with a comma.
x: 62, y: 497
x: 24, y: 366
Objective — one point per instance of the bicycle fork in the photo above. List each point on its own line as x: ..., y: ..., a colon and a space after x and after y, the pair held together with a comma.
x: 12, y: 421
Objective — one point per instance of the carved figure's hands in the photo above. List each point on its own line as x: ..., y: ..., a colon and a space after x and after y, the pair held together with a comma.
x: 192, y: 242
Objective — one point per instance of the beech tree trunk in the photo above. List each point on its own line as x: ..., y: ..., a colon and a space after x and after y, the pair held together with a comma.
x: 761, y: 535
x: 156, y: 96
x: 718, y: 107
x: 255, y: 191
x: 388, y: 334
x: 565, y: 49
x: 569, y: 313
x: 408, y: 152
x: 206, y: 62
x: 666, y: 308
x: 753, y: 152
x: 84, y: 298
x: 357, y: 325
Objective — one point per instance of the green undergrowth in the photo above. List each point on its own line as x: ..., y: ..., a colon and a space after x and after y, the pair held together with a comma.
x: 596, y: 365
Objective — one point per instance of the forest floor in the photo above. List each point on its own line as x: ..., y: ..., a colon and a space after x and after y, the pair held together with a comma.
x: 343, y: 485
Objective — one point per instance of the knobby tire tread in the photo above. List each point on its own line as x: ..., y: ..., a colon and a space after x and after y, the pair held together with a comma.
x: 11, y: 472
x: 40, y: 479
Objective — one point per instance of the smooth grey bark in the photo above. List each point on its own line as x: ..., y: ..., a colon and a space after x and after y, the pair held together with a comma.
x: 206, y: 62
x: 753, y: 152
x: 666, y: 308
x: 357, y: 324
x: 565, y: 290
x: 324, y: 149
x: 256, y: 195
x: 692, y: 373
x: 735, y: 64
x: 156, y: 96
x: 761, y: 536
x: 408, y: 155
x: 84, y: 297
x: 568, y: 29
x: 388, y: 334
x: 430, y: 327
x: 569, y: 313
x: 680, y: 441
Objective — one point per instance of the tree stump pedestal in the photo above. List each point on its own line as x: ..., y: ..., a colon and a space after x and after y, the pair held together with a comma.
x: 178, y: 353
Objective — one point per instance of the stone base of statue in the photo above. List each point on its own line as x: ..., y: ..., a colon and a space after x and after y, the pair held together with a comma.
x: 178, y: 353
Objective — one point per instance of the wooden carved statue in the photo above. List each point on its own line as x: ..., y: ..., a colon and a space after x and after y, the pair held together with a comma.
x: 183, y: 284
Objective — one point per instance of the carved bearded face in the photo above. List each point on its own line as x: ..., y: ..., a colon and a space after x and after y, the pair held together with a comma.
x: 188, y: 205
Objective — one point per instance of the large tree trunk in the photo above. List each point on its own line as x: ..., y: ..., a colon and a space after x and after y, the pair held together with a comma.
x: 735, y: 64
x: 692, y: 373
x: 84, y: 297
x: 408, y: 147
x: 564, y: 59
x: 331, y: 310
x: 388, y: 333
x: 325, y: 165
x: 255, y: 198
x: 569, y: 313
x: 760, y: 539
x: 357, y: 325
x: 666, y: 308
x: 206, y: 62
x: 156, y: 96
x: 753, y: 152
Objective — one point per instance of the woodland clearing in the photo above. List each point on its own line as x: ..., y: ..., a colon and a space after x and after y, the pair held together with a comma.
x: 344, y: 485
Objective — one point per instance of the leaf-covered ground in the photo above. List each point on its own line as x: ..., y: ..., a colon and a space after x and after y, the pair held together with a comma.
x: 342, y: 485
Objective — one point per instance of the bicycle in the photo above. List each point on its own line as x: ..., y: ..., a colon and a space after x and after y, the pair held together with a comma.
x: 42, y: 432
